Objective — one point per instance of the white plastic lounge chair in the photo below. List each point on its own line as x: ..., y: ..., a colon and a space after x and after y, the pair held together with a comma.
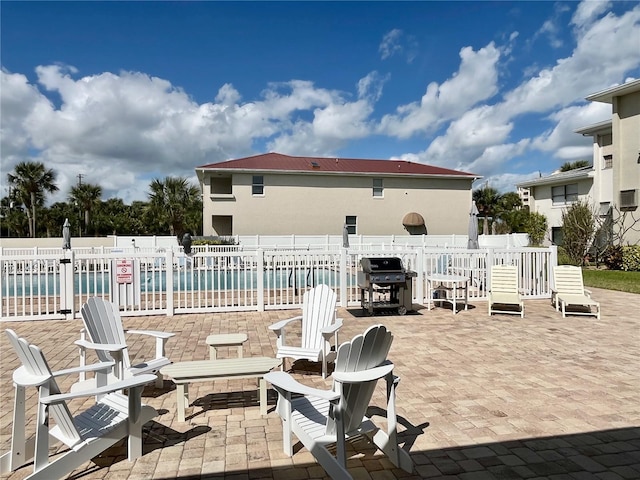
x: 321, y: 418
x: 103, y: 324
x: 112, y: 418
x: 504, y: 291
x: 319, y: 323
x: 569, y: 290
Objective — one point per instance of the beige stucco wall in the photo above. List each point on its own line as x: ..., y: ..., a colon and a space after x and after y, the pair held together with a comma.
x: 626, y: 134
x: 542, y: 202
x: 318, y: 204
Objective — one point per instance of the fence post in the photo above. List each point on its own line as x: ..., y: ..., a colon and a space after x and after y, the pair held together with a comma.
x: 490, y: 260
x: 67, y: 292
x: 552, y: 263
x: 260, y: 268
x: 168, y: 265
x: 344, y: 287
x: 420, y: 278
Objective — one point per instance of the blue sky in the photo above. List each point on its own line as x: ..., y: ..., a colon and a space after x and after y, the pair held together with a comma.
x: 123, y: 92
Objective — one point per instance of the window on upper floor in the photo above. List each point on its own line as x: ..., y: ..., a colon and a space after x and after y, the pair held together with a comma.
x: 351, y: 222
x: 564, y: 194
x: 221, y: 186
x: 605, y: 139
x: 257, y: 185
x: 607, y: 161
x: 378, y: 187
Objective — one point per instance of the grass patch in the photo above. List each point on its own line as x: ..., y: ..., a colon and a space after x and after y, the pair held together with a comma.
x: 612, y: 280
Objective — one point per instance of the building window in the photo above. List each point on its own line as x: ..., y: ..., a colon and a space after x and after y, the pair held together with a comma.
x: 606, y: 139
x: 221, y: 186
x: 351, y: 221
x: 628, y: 200
x: 608, y: 161
x: 257, y: 185
x: 222, y: 225
x: 563, y: 194
x: 556, y: 235
x: 378, y: 188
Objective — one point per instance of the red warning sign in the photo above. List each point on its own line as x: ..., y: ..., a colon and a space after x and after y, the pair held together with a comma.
x: 124, y: 271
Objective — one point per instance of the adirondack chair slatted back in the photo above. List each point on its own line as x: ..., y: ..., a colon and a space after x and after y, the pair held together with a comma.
x: 504, y: 279
x: 363, y: 352
x: 34, y: 363
x: 568, y: 280
x: 318, y: 311
x: 103, y: 324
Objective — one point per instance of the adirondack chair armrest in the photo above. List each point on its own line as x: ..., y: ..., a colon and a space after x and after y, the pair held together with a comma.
x: 278, y: 326
x: 330, y: 329
x: 132, y: 382
x: 25, y: 379
x: 108, y: 347
x: 152, y: 333
x: 368, y: 375
x: 286, y: 382
x: 94, y: 367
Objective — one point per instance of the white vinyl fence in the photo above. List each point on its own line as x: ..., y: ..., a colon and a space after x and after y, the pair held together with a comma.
x: 54, y: 284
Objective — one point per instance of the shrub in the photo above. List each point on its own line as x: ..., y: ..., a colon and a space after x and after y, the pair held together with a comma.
x: 565, y: 259
x: 631, y: 258
x: 578, y: 230
x: 536, y: 227
x: 612, y: 257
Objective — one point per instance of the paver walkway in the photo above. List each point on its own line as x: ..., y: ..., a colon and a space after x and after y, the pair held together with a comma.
x: 480, y: 397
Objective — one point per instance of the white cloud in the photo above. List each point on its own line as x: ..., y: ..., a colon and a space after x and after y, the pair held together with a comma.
x: 479, y: 140
x: 390, y: 44
x: 475, y: 81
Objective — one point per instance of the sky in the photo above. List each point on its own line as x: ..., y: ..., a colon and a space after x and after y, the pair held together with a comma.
x: 120, y: 93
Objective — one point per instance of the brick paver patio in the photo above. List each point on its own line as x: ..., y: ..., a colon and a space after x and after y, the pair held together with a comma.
x: 480, y: 398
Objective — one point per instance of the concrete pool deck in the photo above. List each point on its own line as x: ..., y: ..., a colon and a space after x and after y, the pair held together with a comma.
x: 501, y: 397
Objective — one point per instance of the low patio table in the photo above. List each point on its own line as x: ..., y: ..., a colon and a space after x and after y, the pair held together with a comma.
x: 444, y: 283
x: 225, y: 340
x: 184, y: 373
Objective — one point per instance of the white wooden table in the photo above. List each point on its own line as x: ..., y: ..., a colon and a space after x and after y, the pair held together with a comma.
x: 225, y: 340
x: 445, y: 283
x: 184, y: 373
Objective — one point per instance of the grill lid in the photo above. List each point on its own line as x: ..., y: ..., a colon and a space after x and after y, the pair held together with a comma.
x: 381, y: 264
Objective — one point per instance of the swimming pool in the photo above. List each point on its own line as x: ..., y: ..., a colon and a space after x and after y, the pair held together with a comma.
x: 90, y: 283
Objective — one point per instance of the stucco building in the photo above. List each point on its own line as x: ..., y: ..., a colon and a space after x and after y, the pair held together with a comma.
x: 275, y: 194
x: 612, y: 183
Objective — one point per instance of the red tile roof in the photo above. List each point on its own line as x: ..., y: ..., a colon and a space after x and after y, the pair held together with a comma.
x: 279, y: 162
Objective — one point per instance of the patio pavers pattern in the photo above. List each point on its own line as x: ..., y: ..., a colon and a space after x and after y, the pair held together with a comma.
x: 480, y: 397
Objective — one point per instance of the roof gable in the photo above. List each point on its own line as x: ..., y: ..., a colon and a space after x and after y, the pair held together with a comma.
x: 286, y: 163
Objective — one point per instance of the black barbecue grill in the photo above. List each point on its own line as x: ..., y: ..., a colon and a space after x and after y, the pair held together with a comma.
x: 385, y: 284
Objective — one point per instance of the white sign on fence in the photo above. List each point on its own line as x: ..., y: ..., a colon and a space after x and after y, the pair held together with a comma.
x: 124, y: 271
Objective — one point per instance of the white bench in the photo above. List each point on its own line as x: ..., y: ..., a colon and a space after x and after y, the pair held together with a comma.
x: 225, y: 340
x: 184, y: 373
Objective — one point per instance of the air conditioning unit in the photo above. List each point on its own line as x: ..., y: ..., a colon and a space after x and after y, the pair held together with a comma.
x: 628, y: 199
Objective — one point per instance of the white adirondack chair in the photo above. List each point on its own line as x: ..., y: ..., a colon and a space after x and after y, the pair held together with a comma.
x: 103, y: 324
x: 503, y: 290
x: 319, y: 324
x: 569, y: 290
x: 112, y: 418
x: 325, y: 417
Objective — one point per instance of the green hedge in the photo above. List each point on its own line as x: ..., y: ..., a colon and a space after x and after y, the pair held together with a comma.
x: 625, y: 258
x: 631, y: 258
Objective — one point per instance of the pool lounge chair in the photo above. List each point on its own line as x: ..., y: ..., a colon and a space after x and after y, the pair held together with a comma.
x: 504, y: 292
x: 569, y: 291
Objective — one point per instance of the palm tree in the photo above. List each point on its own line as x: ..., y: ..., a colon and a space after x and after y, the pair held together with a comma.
x: 32, y: 181
x: 486, y: 199
x: 86, y: 196
x: 172, y: 202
